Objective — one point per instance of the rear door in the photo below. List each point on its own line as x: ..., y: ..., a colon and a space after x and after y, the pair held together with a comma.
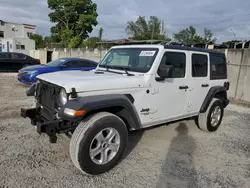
x: 5, y: 62
x: 198, y: 81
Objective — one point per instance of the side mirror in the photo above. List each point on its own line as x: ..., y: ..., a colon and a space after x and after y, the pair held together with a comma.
x: 165, y: 71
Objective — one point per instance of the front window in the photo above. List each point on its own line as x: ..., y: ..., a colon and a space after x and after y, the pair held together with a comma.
x: 131, y: 59
x: 56, y: 62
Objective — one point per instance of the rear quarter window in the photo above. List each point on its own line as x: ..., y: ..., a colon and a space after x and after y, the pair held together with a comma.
x: 218, y: 67
x: 17, y: 56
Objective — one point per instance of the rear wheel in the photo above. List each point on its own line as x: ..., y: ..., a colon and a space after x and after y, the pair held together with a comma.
x: 98, y: 143
x: 211, y: 119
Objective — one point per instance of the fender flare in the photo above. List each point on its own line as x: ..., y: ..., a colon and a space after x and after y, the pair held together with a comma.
x: 210, y: 95
x: 119, y: 104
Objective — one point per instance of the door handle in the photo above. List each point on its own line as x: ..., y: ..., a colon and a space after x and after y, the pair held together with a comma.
x: 204, y: 85
x: 183, y: 87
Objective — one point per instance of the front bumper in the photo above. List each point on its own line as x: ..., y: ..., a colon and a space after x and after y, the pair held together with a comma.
x: 49, y: 127
x: 26, y: 78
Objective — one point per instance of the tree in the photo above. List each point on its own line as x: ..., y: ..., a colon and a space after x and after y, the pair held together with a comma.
x: 208, y: 36
x: 73, y: 19
x: 189, y: 36
x: 143, y: 30
x: 47, y: 40
x: 38, y: 40
x: 91, y: 42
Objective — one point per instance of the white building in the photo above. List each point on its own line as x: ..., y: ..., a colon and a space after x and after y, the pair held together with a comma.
x: 9, y: 30
x: 14, y: 37
x: 22, y: 45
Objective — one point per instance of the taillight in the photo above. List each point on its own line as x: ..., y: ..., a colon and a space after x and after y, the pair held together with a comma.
x: 226, y: 85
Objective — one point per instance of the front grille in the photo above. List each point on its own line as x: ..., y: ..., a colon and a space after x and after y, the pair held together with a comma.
x: 47, y: 94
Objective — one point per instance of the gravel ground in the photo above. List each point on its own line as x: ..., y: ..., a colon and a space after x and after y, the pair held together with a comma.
x: 177, y: 155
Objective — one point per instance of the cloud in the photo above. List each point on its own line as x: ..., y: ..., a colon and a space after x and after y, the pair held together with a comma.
x: 218, y: 15
x: 27, y: 11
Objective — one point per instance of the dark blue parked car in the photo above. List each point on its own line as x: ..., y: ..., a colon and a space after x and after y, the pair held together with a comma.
x: 28, y: 74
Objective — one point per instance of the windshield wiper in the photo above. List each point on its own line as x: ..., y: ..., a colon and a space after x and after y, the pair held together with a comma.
x: 123, y: 68
x: 107, y: 69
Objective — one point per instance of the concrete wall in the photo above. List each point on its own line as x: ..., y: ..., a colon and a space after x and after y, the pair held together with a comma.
x: 234, y: 61
x: 94, y: 54
x: 39, y: 54
x: 243, y: 90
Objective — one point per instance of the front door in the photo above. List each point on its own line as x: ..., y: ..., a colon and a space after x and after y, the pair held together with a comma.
x: 170, y: 95
x: 199, y: 81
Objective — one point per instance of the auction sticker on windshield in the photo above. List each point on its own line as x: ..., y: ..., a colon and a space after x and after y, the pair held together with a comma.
x: 147, y: 53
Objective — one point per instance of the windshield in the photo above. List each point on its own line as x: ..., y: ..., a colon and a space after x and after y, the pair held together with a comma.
x: 132, y: 59
x: 56, y: 62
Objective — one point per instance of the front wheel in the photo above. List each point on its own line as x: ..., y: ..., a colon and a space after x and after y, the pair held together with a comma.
x: 98, y: 143
x: 210, y: 120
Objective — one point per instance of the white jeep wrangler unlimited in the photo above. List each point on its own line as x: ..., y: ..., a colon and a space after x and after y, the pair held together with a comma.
x: 133, y: 87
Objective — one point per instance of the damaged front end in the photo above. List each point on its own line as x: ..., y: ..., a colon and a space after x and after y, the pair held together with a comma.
x: 45, y: 115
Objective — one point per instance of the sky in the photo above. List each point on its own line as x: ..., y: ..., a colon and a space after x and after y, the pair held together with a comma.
x: 226, y: 18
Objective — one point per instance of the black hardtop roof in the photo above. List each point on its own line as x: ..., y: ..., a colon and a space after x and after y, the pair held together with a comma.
x: 178, y: 47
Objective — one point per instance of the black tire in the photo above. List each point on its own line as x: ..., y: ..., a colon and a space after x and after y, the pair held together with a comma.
x: 204, y: 119
x: 84, y: 134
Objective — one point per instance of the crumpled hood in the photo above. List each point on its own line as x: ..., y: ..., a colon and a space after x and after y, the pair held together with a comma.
x: 84, y: 81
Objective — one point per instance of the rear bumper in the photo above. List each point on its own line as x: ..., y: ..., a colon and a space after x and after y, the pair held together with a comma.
x: 43, y: 125
x: 227, y: 101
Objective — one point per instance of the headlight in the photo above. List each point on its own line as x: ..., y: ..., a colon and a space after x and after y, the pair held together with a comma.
x: 32, y: 72
x: 63, y: 97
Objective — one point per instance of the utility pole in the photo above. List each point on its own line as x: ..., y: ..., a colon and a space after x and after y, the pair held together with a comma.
x: 234, y: 37
x: 233, y: 33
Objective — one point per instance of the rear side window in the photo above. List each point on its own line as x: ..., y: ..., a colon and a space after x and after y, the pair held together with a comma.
x: 178, y: 60
x: 199, y: 65
x: 218, y: 67
x: 17, y: 56
x: 86, y: 64
x: 71, y: 64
